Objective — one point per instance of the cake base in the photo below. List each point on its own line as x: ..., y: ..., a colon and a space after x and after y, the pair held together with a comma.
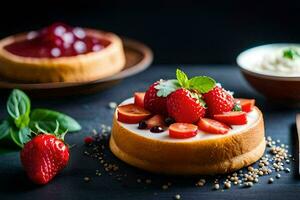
x: 218, y: 155
x: 223, y: 167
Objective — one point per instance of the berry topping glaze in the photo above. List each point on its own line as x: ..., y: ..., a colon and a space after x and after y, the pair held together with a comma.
x: 156, y: 129
x: 57, y: 40
x: 186, y: 107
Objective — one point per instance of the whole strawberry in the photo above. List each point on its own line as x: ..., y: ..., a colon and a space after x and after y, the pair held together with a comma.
x: 185, y: 106
x: 154, y: 103
x: 43, y: 157
x: 218, y: 101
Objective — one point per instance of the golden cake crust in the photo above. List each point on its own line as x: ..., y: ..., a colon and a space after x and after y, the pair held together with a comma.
x: 210, y: 156
x: 85, y: 67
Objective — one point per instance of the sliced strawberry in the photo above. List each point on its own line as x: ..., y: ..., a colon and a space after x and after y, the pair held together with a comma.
x: 156, y: 120
x: 212, y: 126
x: 182, y: 130
x: 246, y: 104
x: 139, y: 99
x: 132, y: 114
x: 232, y: 118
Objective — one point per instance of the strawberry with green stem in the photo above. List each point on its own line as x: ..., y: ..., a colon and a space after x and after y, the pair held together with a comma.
x: 185, y: 104
x: 154, y: 101
x: 219, y: 101
x: 45, y: 155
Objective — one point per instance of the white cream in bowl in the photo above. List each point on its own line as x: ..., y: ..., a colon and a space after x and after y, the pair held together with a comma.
x: 273, y: 59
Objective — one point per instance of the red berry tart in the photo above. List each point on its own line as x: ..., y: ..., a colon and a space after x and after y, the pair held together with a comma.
x: 61, y: 53
x: 188, y: 126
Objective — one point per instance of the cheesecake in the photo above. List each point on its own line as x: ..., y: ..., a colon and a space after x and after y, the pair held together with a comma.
x: 182, y: 128
x: 61, y: 53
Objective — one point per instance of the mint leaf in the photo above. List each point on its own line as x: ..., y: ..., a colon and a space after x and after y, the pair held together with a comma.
x: 18, y: 107
x: 182, y: 78
x: 4, y: 129
x: 291, y: 53
x: 166, y: 87
x: 202, y: 84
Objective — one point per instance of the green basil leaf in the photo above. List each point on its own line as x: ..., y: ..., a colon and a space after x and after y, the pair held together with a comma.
x: 24, y: 135
x: 47, y: 120
x: 182, y: 78
x: 14, y: 134
x: 4, y: 129
x: 202, y: 84
x: 18, y: 107
x: 22, y: 121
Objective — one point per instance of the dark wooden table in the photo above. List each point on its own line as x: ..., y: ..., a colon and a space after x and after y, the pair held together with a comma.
x: 92, y: 111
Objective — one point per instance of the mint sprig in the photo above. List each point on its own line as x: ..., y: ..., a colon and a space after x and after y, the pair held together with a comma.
x: 201, y: 84
x: 291, y: 53
x: 182, y: 78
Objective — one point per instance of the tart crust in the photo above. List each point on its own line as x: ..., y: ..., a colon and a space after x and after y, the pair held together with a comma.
x: 84, y: 67
x: 208, y: 156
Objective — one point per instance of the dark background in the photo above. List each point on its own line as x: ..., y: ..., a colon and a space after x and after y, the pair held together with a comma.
x: 179, y: 32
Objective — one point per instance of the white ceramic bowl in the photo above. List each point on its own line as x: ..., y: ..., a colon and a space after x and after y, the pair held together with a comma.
x: 275, y: 86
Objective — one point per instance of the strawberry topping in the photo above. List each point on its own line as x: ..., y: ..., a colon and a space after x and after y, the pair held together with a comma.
x: 218, y: 101
x: 139, y: 99
x: 212, y: 126
x: 246, y: 104
x: 183, y: 107
x: 182, y: 102
x: 155, y: 104
x: 182, y: 130
x: 132, y: 114
x: 156, y: 120
x: 232, y: 118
